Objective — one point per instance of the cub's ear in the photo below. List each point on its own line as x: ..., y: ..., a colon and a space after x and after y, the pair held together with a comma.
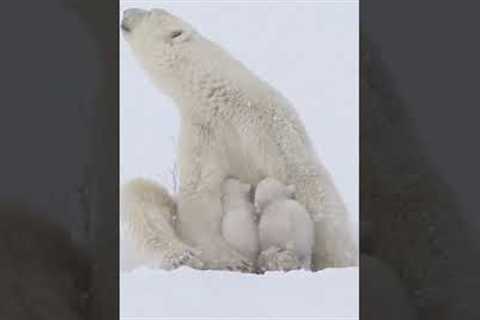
x: 291, y: 190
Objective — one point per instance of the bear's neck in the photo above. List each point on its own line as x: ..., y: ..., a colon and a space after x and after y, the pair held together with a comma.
x: 210, y: 83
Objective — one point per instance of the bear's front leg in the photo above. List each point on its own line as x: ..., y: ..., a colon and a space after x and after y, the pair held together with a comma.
x: 200, y: 209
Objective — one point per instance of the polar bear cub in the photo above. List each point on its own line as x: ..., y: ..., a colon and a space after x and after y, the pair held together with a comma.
x: 239, y: 227
x: 286, y: 230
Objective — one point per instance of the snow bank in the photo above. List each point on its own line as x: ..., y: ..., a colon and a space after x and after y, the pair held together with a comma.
x: 156, y: 294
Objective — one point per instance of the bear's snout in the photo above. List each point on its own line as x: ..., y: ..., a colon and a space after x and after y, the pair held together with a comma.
x: 131, y: 17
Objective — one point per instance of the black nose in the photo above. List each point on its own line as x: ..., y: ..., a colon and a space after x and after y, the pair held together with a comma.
x: 131, y: 17
x: 125, y: 27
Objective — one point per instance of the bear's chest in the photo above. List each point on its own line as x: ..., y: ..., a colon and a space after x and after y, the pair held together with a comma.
x: 247, y: 153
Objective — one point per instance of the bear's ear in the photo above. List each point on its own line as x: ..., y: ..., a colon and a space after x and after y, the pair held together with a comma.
x: 291, y: 190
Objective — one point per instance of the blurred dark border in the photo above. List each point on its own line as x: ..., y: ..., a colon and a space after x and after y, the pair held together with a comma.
x: 59, y: 159
x: 419, y: 169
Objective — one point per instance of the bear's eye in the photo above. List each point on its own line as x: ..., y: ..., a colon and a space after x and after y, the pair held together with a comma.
x: 176, y: 34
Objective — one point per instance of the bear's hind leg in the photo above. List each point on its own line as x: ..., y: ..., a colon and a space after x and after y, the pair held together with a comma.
x: 147, y: 214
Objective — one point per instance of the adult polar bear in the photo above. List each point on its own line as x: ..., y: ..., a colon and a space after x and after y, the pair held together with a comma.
x: 232, y: 125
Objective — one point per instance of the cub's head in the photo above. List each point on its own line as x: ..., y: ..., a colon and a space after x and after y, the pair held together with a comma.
x: 159, y: 40
x: 269, y: 190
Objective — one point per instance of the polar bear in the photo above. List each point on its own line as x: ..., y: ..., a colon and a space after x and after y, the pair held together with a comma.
x: 232, y: 124
x: 285, y: 228
x: 239, y: 226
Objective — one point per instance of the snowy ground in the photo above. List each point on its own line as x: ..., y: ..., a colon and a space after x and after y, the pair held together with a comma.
x: 186, y: 293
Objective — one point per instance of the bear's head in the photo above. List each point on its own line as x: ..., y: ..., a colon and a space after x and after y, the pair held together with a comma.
x: 161, y: 42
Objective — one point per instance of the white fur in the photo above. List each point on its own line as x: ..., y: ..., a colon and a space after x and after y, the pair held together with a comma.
x: 239, y: 227
x: 284, y: 224
x: 147, y: 219
x: 233, y: 124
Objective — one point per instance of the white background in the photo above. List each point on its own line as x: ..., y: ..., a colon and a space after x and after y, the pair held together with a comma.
x: 309, y: 52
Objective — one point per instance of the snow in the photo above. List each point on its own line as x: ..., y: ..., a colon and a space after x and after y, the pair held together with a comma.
x: 309, y: 52
x: 183, y: 293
